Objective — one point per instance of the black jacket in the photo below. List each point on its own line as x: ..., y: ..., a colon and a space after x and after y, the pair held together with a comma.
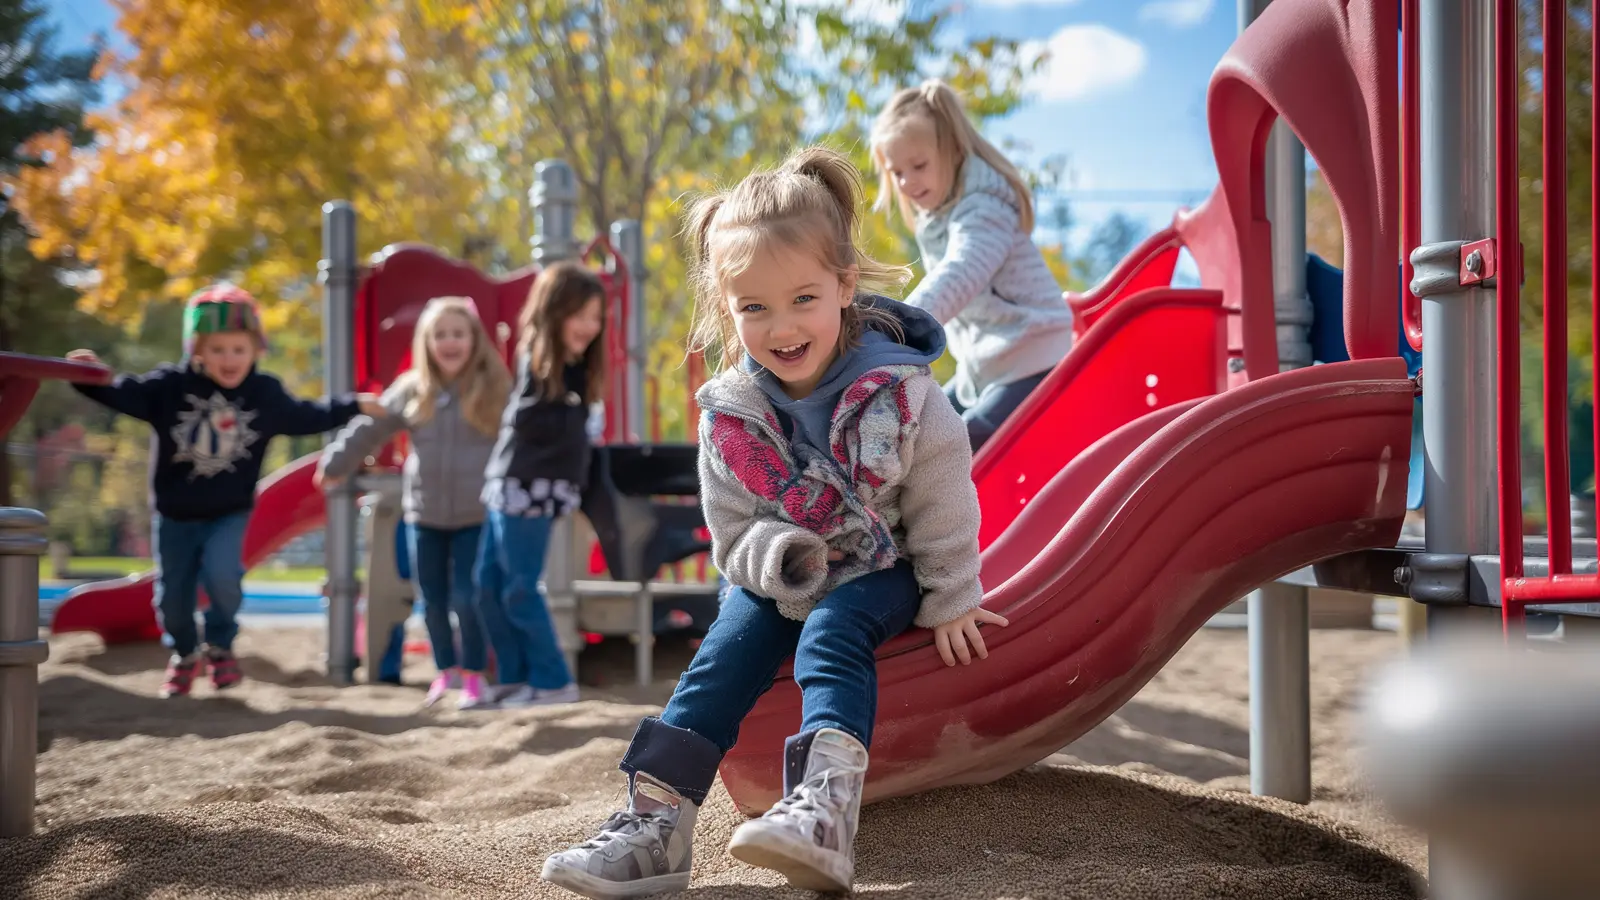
x: 209, y: 441
x: 541, y: 437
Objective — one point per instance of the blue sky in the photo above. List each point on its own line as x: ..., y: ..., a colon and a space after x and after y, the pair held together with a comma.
x: 1123, y: 97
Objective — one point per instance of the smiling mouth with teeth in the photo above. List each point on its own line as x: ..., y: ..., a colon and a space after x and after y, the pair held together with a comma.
x: 790, y: 354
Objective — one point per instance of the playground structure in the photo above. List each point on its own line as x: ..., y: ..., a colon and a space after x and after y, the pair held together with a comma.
x: 1136, y: 494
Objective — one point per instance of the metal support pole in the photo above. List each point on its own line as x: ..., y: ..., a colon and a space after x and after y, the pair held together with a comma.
x: 337, y: 271
x: 555, y: 211
x: 1458, y: 204
x: 628, y: 237
x: 1279, y: 614
x: 1280, y: 692
x: 22, y: 542
x: 1457, y: 144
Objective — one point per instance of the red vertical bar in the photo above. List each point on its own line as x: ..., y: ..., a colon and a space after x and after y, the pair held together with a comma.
x: 1508, y: 280
x: 1557, y: 477
x: 1411, y: 164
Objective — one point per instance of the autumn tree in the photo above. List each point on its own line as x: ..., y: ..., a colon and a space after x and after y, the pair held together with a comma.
x: 42, y: 90
x: 238, y: 120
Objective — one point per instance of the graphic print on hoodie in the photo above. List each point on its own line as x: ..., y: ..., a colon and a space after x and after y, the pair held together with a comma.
x: 210, y: 441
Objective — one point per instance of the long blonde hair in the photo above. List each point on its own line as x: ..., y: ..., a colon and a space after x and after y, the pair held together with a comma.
x: 484, y: 384
x: 934, y: 105
x: 809, y: 202
x: 560, y: 292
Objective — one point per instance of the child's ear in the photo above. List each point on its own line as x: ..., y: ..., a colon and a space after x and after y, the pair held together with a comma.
x: 847, y: 285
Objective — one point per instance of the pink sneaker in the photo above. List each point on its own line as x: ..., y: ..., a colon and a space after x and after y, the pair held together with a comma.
x: 471, y: 691
x: 437, y: 690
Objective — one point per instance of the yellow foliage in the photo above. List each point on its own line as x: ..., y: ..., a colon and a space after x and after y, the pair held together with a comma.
x: 241, y: 118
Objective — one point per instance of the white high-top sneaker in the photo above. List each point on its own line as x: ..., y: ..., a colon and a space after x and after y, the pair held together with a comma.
x: 644, y: 849
x: 810, y: 835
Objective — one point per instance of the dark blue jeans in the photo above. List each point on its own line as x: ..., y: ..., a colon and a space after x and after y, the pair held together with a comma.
x: 834, y: 663
x: 515, y: 617
x: 996, y: 402
x: 205, y: 553
x: 442, y: 561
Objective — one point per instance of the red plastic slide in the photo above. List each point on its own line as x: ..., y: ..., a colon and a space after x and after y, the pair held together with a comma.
x: 287, y: 506
x: 1118, y: 561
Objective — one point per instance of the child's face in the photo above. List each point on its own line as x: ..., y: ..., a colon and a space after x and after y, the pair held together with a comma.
x: 226, y: 357
x: 788, y: 308
x: 581, y: 328
x: 921, y: 172
x: 450, y: 343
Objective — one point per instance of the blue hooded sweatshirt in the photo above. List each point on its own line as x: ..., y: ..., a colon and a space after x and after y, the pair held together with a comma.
x: 806, y: 421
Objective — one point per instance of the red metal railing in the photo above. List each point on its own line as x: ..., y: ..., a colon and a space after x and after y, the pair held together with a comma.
x: 1560, y: 585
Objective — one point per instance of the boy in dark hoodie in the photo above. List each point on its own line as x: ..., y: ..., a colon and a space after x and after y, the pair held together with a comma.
x: 212, y: 417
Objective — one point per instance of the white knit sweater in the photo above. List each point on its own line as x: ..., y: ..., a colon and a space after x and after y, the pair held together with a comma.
x: 989, y: 286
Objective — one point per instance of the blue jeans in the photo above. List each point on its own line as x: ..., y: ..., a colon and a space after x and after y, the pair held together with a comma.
x: 197, y: 553
x: 442, y: 561
x: 510, y: 561
x: 835, y: 666
x: 996, y: 402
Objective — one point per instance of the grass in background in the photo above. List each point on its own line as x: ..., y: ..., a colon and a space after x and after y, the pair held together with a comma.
x: 118, y: 566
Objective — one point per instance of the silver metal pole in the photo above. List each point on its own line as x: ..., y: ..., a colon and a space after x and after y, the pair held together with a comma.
x: 1279, y: 614
x: 628, y: 237
x: 555, y: 212
x: 337, y: 271
x: 22, y: 542
x: 1456, y: 40
x: 1457, y: 143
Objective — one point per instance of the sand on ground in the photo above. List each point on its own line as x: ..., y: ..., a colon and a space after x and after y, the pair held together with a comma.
x: 289, y: 787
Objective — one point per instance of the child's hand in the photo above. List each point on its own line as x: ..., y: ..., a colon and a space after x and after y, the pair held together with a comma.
x: 370, y: 406
x: 953, y: 637
x: 85, y: 356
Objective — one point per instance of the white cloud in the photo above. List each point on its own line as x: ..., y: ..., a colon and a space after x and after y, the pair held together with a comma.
x: 1176, y: 13
x: 1084, y: 60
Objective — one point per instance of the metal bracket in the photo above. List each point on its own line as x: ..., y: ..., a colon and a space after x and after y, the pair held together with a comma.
x: 1478, y: 262
x: 1448, y: 267
x: 1437, y: 578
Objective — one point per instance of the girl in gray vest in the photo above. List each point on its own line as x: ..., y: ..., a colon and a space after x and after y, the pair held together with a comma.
x: 450, y: 402
x: 986, y: 282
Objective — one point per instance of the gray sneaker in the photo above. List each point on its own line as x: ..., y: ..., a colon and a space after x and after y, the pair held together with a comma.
x: 644, y: 849
x: 527, y: 695
x: 809, y: 836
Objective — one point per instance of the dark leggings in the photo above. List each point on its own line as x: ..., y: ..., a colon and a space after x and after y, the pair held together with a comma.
x: 996, y: 402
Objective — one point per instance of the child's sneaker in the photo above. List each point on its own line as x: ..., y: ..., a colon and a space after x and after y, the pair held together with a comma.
x: 225, y: 671
x: 810, y: 834
x: 472, y: 695
x: 181, y: 673
x: 527, y: 695
x: 437, y: 690
x: 644, y: 849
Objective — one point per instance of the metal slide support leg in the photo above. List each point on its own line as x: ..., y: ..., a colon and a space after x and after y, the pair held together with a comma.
x: 1279, y: 614
x: 338, y: 275
x: 1280, y: 693
x: 22, y: 542
x: 644, y: 627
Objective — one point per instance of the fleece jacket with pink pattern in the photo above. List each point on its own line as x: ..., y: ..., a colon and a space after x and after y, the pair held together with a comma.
x: 897, y: 484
